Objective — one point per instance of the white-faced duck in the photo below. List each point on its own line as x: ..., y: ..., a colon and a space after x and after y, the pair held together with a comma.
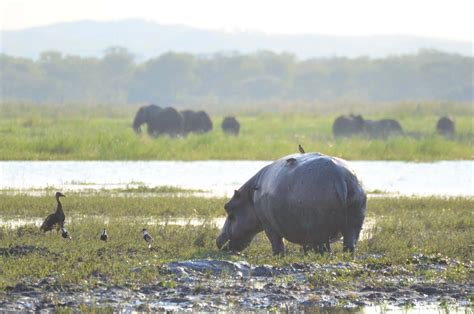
x: 57, y: 218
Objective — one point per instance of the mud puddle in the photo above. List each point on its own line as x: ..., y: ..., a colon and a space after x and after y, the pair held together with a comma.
x: 218, y: 285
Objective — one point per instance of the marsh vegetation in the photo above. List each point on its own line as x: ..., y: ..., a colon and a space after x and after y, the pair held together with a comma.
x: 53, y: 132
x: 414, y: 242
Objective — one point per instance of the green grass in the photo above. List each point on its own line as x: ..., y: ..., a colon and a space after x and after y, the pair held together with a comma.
x: 78, y: 134
x: 437, y: 227
x: 103, y: 204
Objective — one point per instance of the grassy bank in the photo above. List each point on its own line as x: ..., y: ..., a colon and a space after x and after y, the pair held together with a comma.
x: 436, y: 227
x: 97, y: 134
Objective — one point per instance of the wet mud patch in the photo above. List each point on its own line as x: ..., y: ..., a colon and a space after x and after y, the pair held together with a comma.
x: 219, y: 285
x: 22, y: 250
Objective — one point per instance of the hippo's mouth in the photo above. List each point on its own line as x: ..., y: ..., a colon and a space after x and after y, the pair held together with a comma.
x: 222, y: 242
x: 223, y: 246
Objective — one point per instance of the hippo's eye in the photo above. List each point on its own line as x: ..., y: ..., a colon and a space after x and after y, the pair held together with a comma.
x: 231, y: 216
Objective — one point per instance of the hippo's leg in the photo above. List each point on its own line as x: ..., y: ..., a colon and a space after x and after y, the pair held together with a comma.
x: 324, y: 247
x: 305, y: 248
x: 276, y: 240
x: 327, y: 246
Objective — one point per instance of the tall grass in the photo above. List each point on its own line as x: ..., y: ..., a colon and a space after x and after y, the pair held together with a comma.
x: 75, y: 134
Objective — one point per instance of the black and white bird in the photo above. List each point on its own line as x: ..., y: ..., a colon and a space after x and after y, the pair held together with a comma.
x: 103, y: 235
x: 65, y: 234
x: 55, y: 219
x: 147, y: 237
x: 300, y: 148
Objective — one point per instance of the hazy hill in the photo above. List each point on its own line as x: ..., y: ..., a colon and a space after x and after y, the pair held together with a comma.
x: 146, y: 40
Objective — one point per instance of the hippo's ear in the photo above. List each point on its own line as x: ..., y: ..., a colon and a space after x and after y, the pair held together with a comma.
x: 236, y: 193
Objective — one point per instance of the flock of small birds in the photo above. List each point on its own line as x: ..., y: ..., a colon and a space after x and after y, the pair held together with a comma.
x: 56, y: 221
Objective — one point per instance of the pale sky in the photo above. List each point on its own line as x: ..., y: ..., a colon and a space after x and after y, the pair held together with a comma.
x: 450, y: 19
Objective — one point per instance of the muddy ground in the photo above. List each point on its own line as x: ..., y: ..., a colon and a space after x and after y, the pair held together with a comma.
x: 214, y: 285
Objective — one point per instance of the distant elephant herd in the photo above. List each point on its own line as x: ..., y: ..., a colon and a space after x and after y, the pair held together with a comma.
x: 169, y: 121
x: 349, y: 125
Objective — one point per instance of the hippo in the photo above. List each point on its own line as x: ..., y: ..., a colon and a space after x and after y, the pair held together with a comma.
x: 308, y: 199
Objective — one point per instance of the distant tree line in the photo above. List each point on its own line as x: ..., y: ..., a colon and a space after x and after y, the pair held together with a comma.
x: 262, y: 76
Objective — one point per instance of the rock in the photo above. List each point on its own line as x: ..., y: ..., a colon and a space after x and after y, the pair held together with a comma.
x: 262, y: 271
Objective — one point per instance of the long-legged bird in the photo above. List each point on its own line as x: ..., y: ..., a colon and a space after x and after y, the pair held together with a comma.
x: 147, y: 237
x: 57, y: 218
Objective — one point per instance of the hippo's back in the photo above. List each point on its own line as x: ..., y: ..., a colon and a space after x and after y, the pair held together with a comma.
x: 305, y: 196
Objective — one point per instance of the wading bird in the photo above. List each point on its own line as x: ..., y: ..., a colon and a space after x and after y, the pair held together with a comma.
x: 300, y: 148
x: 147, y: 237
x: 65, y: 234
x: 55, y: 219
x: 103, y: 235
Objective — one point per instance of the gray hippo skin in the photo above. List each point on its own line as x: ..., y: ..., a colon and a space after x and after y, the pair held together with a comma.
x: 308, y: 199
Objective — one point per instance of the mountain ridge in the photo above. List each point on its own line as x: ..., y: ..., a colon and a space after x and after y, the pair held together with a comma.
x: 145, y: 39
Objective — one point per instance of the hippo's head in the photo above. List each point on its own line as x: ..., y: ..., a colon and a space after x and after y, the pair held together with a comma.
x: 241, y: 224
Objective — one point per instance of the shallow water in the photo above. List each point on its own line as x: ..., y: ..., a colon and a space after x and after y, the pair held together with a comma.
x: 450, y: 178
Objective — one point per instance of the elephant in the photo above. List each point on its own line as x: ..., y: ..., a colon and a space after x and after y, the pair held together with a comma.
x: 382, y: 128
x: 149, y: 115
x: 348, y: 125
x: 230, y: 125
x: 159, y: 121
x: 445, y: 126
x: 196, y: 122
x: 357, y: 125
x: 306, y: 198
